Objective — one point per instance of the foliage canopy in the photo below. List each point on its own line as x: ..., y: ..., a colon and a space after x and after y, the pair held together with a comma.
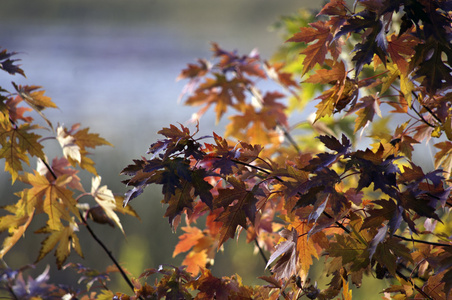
x: 302, y: 193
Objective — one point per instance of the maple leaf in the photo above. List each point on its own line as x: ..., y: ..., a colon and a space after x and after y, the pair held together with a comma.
x: 52, y: 197
x: 17, y: 142
x: 377, y: 169
x: 16, y: 225
x: 286, y: 266
x: 63, y: 240
x: 366, y: 108
x: 336, y: 98
x: 195, y: 261
x: 374, y: 42
x: 104, y: 197
x: 443, y: 158
x: 189, y: 239
x: 336, y: 73
x: 304, y: 245
x: 35, y: 99
x: 10, y: 65
x: 239, y: 203
x: 406, y: 84
x: 434, y: 71
x: 400, y: 48
x: 61, y: 166
x: 389, y: 252
x: 85, y: 139
x: 315, y: 53
x: 334, y: 8
x: 351, y: 250
x: 17, y: 113
x: 67, y: 142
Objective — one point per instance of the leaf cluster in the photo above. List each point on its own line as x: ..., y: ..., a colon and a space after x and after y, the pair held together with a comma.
x: 365, y: 212
x: 52, y: 188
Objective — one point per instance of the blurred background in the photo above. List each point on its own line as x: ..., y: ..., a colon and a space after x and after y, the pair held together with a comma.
x: 112, y: 66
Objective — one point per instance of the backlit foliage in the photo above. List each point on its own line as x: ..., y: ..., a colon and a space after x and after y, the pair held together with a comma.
x: 340, y: 187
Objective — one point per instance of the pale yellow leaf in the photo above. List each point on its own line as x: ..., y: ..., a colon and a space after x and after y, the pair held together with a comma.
x: 105, y: 198
x: 67, y: 142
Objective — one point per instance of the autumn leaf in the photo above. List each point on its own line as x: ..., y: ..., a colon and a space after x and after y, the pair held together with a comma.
x: 286, y: 250
x: 189, y: 239
x: 346, y: 292
x: 399, y: 49
x: 104, y: 197
x: 53, y: 197
x: 35, y: 98
x: 67, y: 142
x: 239, y: 204
x: 366, y: 108
x: 335, y: 73
x: 10, y: 65
x: 443, y: 158
x: 16, y: 112
x: 61, y: 166
x: 17, y: 143
x: 63, y: 240
x: 315, y: 53
x: 17, y: 226
x: 195, y: 260
x: 304, y: 245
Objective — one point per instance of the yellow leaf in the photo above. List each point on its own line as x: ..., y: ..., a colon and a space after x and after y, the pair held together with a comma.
x: 106, y: 295
x: 63, y: 240
x: 54, y: 198
x: 104, y: 197
x: 16, y: 144
x: 91, y: 140
x: 17, y: 231
x: 407, y: 87
x: 346, y: 292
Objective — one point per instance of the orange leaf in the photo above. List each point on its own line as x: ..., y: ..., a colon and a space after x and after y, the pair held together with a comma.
x: 188, y: 239
x: 315, y: 53
x: 195, y: 261
x: 305, y: 247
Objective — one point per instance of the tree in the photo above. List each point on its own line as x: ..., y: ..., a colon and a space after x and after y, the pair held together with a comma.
x: 314, y: 191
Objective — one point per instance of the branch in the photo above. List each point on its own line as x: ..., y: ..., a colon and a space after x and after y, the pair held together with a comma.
x: 110, y: 255
x: 421, y: 241
x: 261, y: 252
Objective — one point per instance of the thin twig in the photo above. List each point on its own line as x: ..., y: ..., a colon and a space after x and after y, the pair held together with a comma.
x: 261, y: 252
x: 110, y: 255
x: 421, y: 241
x: 422, y: 117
